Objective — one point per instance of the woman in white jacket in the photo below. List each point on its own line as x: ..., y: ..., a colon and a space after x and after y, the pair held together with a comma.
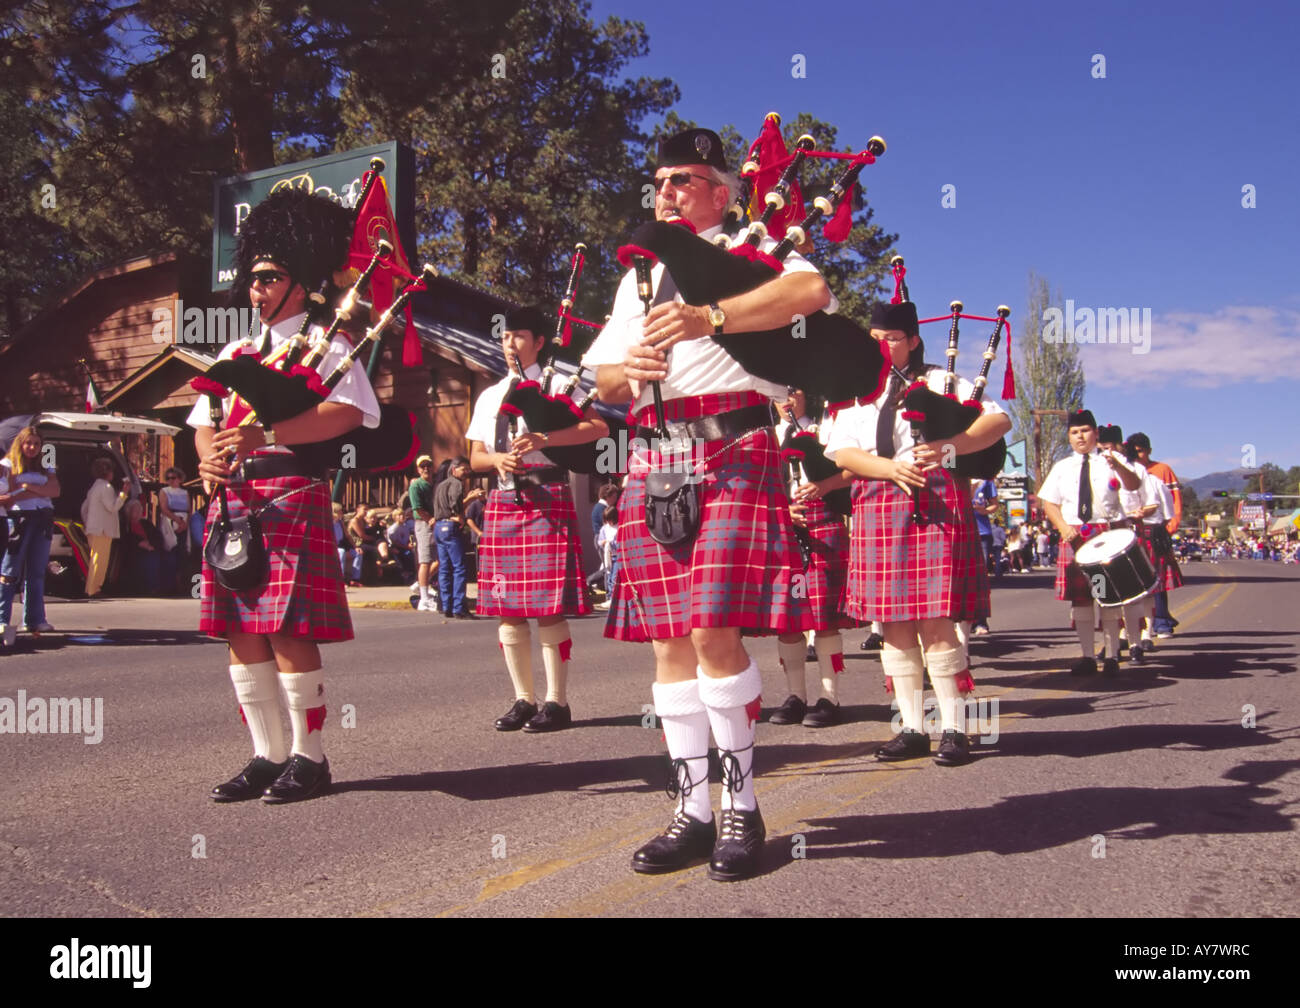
x: 102, y: 525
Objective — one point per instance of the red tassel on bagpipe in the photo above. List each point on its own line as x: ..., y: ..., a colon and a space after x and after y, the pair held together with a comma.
x: 838, y: 227
x: 1008, y: 376
x: 900, y: 273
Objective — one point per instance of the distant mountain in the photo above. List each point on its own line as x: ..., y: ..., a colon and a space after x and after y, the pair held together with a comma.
x: 1232, y: 479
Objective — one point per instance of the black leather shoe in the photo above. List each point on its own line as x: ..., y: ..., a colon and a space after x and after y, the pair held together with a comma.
x: 1137, y: 654
x: 739, y: 850
x: 790, y: 712
x: 1110, y: 668
x: 1084, y: 667
x: 874, y: 642
x: 552, y: 717
x: 301, y: 779
x: 1118, y: 652
x: 517, y: 716
x: 684, y: 841
x: 250, y: 782
x: 822, y: 714
x: 954, y: 749
x: 906, y: 745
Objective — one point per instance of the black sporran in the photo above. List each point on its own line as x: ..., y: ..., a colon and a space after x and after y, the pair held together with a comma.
x: 235, y: 550
x: 672, y: 505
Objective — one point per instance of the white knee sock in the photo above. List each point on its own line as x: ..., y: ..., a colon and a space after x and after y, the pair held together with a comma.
x: 733, y: 707
x: 517, y: 646
x: 907, y: 672
x: 1083, y: 618
x: 1110, y: 628
x: 1132, y: 620
x: 830, y: 661
x: 1149, y: 612
x: 792, y: 661
x: 944, y: 667
x: 305, y: 694
x: 686, y: 730
x: 556, y: 648
x: 259, y: 701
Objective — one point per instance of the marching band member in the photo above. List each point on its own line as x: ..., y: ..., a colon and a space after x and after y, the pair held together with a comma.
x: 826, y: 570
x: 1080, y: 496
x: 1135, y: 504
x: 530, y: 556
x: 1164, y: 623
x: 917, y: 577
x: 289, y: 244
x: 1157, y: 511
x: 693, y: 599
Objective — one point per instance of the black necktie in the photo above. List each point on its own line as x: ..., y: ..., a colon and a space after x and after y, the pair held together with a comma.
x: 885, y: 421
x: 1085, y: 492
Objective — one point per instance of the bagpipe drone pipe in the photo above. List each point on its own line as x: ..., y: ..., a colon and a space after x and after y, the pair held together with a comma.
x: 545, y: 411
x: 802, y: 446
x: 942, y: 415
x: 273, y: 395
x: 835, y: 359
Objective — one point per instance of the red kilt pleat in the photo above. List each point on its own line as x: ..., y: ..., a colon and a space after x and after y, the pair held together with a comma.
x: 1072, y: 584
x: 530, y: 557
x: 303, y: 596
x: 1169, y: 574
x: 739, y: 570
x: 901, y: 570
x: 827, y: 571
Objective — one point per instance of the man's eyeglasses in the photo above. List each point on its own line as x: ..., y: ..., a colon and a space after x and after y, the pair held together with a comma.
x: 681, y: 179
x: 268, y: 278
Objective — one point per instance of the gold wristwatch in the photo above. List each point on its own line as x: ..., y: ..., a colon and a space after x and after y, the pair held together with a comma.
x: 717, y: 318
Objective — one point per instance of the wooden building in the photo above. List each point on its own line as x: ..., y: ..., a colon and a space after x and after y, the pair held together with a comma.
x: 123, y: 327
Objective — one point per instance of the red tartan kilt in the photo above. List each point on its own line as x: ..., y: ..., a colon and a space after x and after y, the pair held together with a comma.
x: 303, y: 596
x: 530, y: 557
x: 1168, y: 573
x: 900, y: 570
x: 827, y: 572
x: 739, y: 570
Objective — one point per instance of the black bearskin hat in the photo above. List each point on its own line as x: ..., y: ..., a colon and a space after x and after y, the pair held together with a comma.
x: 305, y: 234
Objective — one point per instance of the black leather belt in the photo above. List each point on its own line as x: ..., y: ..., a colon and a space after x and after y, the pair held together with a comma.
x: 720, y: 427
x: 277, y: 466
x: 541, y: 475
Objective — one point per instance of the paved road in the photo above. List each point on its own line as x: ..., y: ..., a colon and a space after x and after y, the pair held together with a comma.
x: 434, y: 813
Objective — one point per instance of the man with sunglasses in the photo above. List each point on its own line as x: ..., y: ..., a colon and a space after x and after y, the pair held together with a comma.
x: 692, y: 600
x: 291, y: 243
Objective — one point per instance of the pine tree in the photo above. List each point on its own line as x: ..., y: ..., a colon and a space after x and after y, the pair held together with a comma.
x: 1048, y: 376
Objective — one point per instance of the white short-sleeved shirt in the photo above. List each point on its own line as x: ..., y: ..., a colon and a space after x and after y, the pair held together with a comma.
x: 1135, y: 500
x: 1158, y: 493
x: 483, y: 422
x: 695, y: 367
x: 353, y: 390
x: 21, y: 480
x: 855, y: 426
x: 1062, y: 488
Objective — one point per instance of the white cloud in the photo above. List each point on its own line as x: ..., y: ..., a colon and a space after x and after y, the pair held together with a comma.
x: 1236, y: 344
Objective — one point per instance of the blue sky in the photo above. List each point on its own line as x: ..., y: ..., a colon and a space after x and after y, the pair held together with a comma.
x: 1124, y: 191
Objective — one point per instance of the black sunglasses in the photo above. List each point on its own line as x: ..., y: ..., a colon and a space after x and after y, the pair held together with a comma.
x: 268, y: 278
x: 681, y: 179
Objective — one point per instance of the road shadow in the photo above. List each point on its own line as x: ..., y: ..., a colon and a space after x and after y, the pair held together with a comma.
x: 58, y: 640
x: 1024, y: 823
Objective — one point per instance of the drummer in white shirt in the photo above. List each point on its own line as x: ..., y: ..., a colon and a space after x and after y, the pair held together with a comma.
x: 1080, y: 508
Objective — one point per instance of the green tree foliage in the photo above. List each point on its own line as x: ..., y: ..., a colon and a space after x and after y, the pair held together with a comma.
x: 135, y: 108
x: 1048, y: 376
x: 1276, y: 480
x: 539, y: 150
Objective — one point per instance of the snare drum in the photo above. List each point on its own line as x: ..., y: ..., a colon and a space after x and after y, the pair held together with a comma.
x: 1125, y: 569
